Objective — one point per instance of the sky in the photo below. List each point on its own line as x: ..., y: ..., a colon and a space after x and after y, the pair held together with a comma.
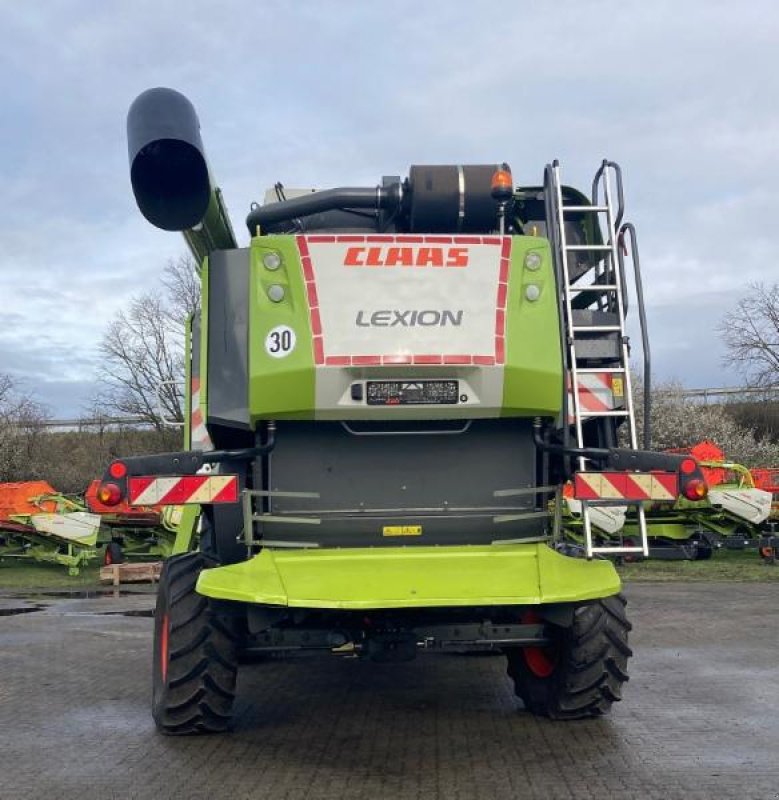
x: 684, y: 95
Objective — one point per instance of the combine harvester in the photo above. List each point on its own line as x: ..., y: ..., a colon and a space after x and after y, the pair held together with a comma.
x: 379, y: 421
x: 38, y: 523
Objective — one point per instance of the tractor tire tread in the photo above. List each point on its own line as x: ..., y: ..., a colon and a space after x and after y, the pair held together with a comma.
x: 198, y: 693
x: 591, y: 669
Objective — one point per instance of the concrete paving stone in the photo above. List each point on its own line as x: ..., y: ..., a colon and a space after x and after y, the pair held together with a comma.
x: 700, y: 717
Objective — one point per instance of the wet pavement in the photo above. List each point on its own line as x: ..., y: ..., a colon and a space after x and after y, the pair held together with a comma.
x: 700, y: 717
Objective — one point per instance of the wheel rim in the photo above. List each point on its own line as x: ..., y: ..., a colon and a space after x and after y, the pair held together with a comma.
x: 164, y: 648
x: 541, y: 661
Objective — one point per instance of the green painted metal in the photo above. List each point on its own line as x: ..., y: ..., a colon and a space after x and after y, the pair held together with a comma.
x: 204, y: 273
x: 188, y: 383
x: 533, y: 375
x: 279, y: 388
x: 181, y: 521
x: 411, y: 577
x: 214, y: 231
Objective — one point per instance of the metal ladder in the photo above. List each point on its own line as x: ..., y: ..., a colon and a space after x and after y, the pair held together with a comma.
x: 607, y: 292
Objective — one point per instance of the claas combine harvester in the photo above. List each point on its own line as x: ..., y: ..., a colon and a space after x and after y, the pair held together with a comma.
x: 388, y: 388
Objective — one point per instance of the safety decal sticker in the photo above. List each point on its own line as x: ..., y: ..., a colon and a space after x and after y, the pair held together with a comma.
x: 280, y: 341
x: 632, y: 486
x: 402, y: 530
x: 182, y: 489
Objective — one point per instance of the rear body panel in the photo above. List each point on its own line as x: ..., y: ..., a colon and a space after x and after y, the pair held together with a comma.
x: 316, y: 325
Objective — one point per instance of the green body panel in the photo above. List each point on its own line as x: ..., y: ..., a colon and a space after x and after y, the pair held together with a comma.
x: 533, y: 375
x: 678, y: 529
x: 279, y: 388
x: 188, y: 383
x: 411, y: 577
x: 204, y: 273
x: 285, y: 388
x: 181, y: 521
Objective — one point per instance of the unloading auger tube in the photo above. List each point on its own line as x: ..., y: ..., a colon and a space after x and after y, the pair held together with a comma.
x: 376, y: 427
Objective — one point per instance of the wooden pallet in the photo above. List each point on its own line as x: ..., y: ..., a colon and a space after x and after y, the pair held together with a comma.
x: 139, y: 572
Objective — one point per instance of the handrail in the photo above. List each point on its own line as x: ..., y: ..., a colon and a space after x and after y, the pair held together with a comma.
x: 629, y: 228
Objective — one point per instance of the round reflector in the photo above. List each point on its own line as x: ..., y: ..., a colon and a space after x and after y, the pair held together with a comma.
x: 117, y: 470
x: 688, y: 466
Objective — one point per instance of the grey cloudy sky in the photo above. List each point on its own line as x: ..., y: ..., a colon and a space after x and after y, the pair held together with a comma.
x: 683, y: 94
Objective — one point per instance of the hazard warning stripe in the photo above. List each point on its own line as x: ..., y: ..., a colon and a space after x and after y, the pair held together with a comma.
x: 631, y: 486
x: 198, y: 431
x: 182, y: 490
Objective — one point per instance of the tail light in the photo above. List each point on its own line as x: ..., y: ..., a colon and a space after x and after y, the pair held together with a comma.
x: 109, y: 494
x: 695, y: 489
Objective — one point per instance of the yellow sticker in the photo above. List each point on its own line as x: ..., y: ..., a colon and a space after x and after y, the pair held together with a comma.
x: 402, y: 530
x: 617, y: 386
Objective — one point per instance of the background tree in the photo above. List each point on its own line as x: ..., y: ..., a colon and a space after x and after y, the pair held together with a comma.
x: 751, y: 335
x: 679, y: 421
x: 142, y: 367
x: 21, y: 428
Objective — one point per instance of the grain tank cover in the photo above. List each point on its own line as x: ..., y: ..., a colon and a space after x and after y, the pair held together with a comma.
x: 168, y: 168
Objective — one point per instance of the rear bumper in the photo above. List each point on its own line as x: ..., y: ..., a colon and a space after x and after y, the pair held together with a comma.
x: 411, y: 577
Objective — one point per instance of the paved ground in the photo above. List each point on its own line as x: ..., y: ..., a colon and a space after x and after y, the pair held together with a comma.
x: 700, y: 717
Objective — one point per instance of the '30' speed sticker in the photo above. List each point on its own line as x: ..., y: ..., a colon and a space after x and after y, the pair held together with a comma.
x: 280, y: 341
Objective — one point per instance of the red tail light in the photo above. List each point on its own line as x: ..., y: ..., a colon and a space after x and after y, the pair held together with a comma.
x: 109, y: 494
x: 117, y: 470
x: 695, y: 489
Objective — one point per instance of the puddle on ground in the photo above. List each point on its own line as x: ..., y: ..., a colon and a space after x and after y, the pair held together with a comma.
x: 132, y: 612
x: 84, y: 594
x: 12, y: 612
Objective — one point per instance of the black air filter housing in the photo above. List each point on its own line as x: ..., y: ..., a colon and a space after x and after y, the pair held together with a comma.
x: 452, y: 198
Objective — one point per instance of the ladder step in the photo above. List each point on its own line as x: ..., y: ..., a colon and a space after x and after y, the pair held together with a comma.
x: 596, y: 328
x: 617, y: 549
x: 595, y: 287
x: 597, y: 370
x: 585, y: 208
x: 599, y: 247
x: 605, y: 413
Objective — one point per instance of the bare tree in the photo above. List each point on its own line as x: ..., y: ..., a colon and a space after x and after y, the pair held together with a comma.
x: 680, y: 421
x: 142, y: 369
x: 181, y: 280
x: 751, y: 335
x: 21, y: 418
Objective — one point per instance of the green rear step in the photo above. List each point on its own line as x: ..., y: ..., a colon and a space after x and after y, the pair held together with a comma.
x: 411, y: 577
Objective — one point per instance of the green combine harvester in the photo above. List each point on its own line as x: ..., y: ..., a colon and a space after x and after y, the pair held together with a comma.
x: 387, y: 388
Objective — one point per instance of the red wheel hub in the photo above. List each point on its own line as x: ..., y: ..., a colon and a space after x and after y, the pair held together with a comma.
x: 541, y: 661
x: 164, y: 648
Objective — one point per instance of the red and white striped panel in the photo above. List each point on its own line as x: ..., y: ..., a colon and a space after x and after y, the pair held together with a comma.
x: 199, y: 438
x: 631, y: 486
x: 179, y: 490
x: 598, y: 391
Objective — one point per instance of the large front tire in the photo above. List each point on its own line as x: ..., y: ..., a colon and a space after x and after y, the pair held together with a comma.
x: 195, y: 660
x: 580, y: 674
